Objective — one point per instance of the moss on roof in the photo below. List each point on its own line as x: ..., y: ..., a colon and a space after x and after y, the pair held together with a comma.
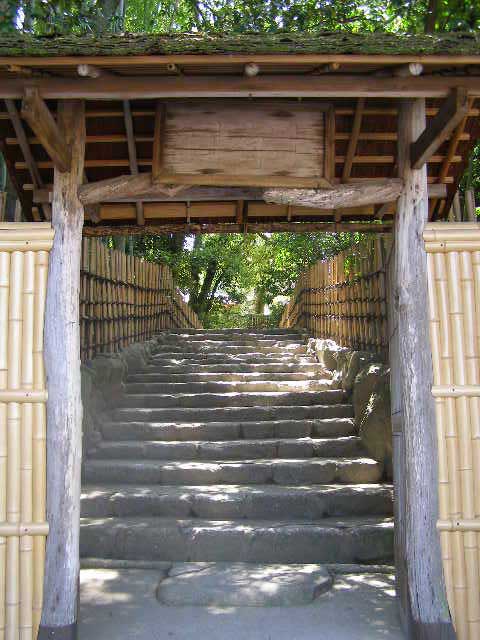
x: 336, y: 42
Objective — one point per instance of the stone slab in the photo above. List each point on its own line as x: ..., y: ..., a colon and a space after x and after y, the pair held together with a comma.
x: 121, y: 604
x: 243, y: 585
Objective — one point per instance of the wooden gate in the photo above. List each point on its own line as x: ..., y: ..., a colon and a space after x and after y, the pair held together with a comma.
x: 24, y: 251
x: 454, y: 291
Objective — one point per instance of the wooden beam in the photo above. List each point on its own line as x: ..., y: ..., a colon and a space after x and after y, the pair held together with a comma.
x: 23, y: 197
x: 454, y: 108
x: 352, y: 143
x: 261, y: 86
x: 345, y: 195
x: 193, y: 194
x: 132, y: 153
x: 42, y: 123
x: 383, y: 210
x: 229, y: 59
x: 420, y: 581
x: 343, y: 111
x: 453, y: 144
x: 236, y: 179
x: 158, y: 142
x: 64, y: 405
x: 105, y: 190
x: 227, y: 227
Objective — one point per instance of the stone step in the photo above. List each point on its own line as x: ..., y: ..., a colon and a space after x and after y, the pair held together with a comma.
x: 234, y: 399
x: 241, y: 584
x: 232, y: 414
x: 229, y: 450
x: 228, y: 348
x: 221, y: 386
x: 346, y: 540
x: 197, y: 377
x: 259, y: 471
x: 215, y: 431
x: 253, y: 357
x: 185, y: 367
x: 228, y: 340
x: 208, y: 333
x: 237, y: 502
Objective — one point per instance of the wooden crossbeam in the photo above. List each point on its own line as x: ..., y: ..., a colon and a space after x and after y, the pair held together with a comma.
x: 132, y: 188
x: 353, y: 142
x: 158, y: 142
x: 261, y: 86
x: 132, y: 153
x: 453, y: 110
x: 42, y: 123
x: 344, y: 195
x: 253, y: 227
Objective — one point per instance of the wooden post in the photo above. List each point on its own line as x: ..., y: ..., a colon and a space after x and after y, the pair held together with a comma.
x: 64, y: 407
x: 420, y: 581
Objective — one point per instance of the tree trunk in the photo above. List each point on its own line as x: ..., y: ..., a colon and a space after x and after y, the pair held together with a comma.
x: 431, y: 17
x: 420, y: 573
x: 64, y: 406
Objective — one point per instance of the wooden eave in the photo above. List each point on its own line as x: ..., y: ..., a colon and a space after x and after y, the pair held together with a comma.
x: 337, y: 79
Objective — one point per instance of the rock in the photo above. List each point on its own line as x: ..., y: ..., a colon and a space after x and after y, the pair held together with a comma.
x: 103, y: 380
x: 137, y: 355
x: 369, y: 379
x: 326, y: 352
x: 93, y: 405
x: 241, y: 584
x: 353, y: 362
x: 371, y: 397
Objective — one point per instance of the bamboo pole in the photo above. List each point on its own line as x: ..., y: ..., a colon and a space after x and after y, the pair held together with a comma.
x: 4, y: 312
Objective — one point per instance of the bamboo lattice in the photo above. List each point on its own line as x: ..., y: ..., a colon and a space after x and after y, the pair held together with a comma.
x: 24, y: 251
x: 453, y: 251
x: 124, y: 299
x: 344, y: 299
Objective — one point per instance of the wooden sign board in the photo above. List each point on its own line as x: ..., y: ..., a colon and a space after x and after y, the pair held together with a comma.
x: 257, y: 144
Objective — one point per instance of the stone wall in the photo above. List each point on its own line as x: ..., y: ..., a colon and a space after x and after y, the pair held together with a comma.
x: 103, y: 379
x: 365, y: 377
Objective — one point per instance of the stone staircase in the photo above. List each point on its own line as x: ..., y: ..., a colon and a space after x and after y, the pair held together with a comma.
x: 233, y: 446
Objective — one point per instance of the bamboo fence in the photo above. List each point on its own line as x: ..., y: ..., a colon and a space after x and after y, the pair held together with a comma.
x: 453, y: 252
x: 124, y: 299
x: 24, y: 251
x: 344, y: 299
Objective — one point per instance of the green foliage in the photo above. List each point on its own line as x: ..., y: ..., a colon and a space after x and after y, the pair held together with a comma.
x: 239, y: 16
x: 227, y: 276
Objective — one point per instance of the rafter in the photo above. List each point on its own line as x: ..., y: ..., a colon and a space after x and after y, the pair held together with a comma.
x: 132, y: 153
x: 27, y: 154
x: 158, y: 142
x: 353, y: 141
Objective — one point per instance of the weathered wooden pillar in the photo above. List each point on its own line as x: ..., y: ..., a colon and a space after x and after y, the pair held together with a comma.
x: 420, y: 581
x: 64, y: 407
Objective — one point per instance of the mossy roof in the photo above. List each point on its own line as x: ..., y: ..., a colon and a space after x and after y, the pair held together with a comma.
x: 341, y: 43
